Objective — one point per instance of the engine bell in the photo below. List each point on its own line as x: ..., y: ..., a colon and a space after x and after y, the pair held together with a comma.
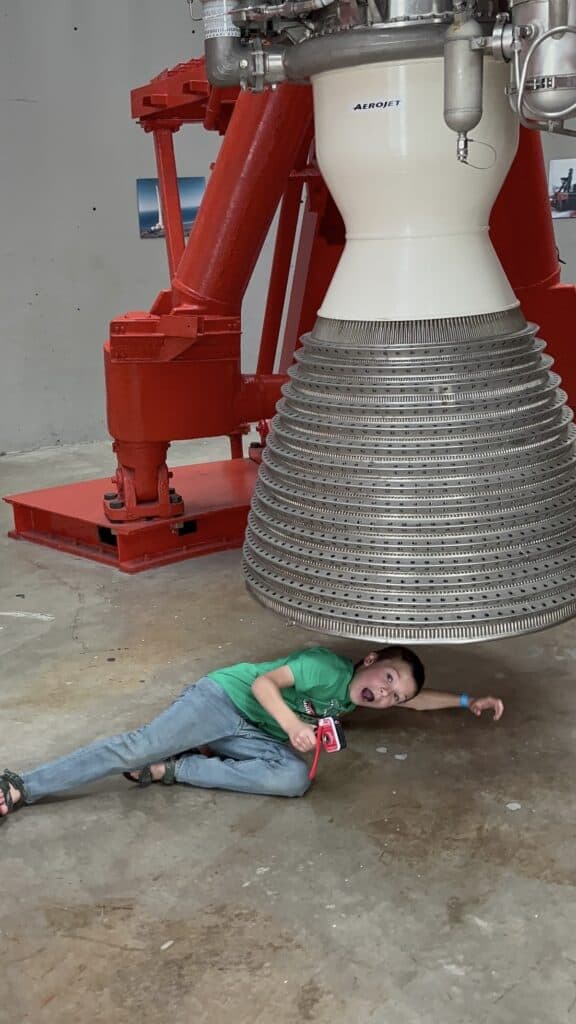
x: 419, y: 481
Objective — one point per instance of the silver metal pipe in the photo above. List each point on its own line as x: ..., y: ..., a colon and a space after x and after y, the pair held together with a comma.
x: 223, y: 60
x: 362, y: 46
x: 230, y: 62
x: 285, y: 9
x: 227, y: 59
x: 558, y: 12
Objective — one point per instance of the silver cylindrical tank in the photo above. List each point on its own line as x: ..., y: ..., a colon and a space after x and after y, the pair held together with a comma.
x: 463, y: 74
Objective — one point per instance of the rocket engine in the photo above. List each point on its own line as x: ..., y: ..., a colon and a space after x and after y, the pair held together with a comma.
x: 419, y: 480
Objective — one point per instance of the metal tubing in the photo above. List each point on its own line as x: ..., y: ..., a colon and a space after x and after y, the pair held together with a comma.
x: 223, y: 56
x: 228, y: 60
x: 169, y: 196
x: 362, y: 46
x: 257, y: 155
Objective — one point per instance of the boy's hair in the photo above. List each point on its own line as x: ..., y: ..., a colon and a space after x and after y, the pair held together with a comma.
x: 406, y: 655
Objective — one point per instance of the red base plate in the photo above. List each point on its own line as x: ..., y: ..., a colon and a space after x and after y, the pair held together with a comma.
x: 216, y: 496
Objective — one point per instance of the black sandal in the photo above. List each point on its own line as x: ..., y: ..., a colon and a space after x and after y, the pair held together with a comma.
x: 8, y: 779
x: 145, y: 778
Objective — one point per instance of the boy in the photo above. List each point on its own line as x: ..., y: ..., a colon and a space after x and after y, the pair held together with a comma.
x: 256, y: 719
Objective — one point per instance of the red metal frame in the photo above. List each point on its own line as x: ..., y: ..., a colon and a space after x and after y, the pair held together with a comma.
x: 216, y: 496
x: 523, y: 236
x: 320, y: 246
x: 174, y: 372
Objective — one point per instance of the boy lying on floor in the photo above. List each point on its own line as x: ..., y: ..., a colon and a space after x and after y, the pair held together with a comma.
x: 257, y: 721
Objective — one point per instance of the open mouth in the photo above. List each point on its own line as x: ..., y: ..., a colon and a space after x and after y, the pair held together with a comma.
x: 367, y: 695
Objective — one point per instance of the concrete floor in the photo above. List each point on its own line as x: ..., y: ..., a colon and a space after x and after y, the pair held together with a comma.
x: 397, y: 892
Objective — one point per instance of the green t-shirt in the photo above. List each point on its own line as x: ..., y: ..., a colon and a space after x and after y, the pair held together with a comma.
x: 321, y: 681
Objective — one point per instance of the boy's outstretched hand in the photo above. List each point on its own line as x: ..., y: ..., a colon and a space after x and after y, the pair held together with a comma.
x: 479, y: 704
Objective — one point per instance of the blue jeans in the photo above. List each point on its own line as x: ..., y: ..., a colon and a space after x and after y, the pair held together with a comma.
x: 248, y: 761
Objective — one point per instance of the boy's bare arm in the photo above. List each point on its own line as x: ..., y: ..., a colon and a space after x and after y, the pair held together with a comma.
x: 432, y: 700
x: 268, y: 692
x: 438, y: 700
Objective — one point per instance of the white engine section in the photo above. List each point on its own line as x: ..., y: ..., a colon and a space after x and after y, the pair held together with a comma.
x: 416, y: 219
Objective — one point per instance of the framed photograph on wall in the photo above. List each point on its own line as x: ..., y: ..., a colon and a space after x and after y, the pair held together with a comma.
x: 562, y: 187
x: 149, y: 213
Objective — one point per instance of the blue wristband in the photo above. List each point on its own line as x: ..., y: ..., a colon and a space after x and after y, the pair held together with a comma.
x: 464, y: 700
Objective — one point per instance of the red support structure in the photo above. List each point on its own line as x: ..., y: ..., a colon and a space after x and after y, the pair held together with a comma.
x: 522, y: 234
x: 189, y: 345
x: 251, y: 173
x: 175, y: 372
x: 321, y: 243
x: 169, y: 196
x: 283, y: 251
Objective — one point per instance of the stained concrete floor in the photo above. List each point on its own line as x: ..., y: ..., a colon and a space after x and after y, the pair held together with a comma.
x: 397, y: 892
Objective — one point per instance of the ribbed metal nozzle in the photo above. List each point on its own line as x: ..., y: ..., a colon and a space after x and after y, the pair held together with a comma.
x: 418, y: 484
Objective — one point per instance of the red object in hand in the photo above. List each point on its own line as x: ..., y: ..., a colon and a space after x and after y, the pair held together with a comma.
x: 329, y: 737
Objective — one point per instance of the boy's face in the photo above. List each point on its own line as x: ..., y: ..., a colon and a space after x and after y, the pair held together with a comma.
x: 381, y: 684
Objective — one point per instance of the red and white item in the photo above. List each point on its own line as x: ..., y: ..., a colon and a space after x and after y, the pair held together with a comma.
x: 329, y: 737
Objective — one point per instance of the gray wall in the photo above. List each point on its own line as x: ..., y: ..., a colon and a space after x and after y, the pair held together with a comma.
x: 71, y: 258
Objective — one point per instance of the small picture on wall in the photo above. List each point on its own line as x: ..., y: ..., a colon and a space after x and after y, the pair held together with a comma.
x: 150, y: 217
x: 562, y: 188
